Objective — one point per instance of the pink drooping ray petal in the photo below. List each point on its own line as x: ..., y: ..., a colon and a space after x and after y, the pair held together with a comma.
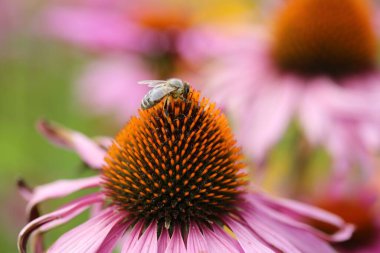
x: 94, y: 28
x: 147, y: 243
x: 56, y: 217
x: 96, y: 209
x: 303, y: 241
x: 163, y: 241
x: 287, y: 211
x: 340, y: 99
x: 37, y: 234
x: 271, y: 113
x: 270, y: 236
x: 247, y: 238
x: 25, y: 191
x: 38, y: 244
x: 92, y: 234
x: 87, y: 149
x: 195, y: 240
x: 59, y: 189
x: 103, y: 141
x: 313, y: 116
x: 176, y: 243
x: 131, y: 237
x: 219, y: 241
x: 113, y: 237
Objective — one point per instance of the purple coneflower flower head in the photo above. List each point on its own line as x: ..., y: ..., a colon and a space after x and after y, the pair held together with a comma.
x: 316, y: 65
x: 172, y: 180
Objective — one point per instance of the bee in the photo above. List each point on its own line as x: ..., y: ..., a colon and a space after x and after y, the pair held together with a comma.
x: 162, y: 88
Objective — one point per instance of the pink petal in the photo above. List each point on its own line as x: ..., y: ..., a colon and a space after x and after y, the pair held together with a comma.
x: 131, y: 237
x: 113, y: 236
x: 89, y: 236
x: 219, y: 241
x: 195, y: 240
x: 59, y: 189
x: 313, y: 116
x: 269, y: 117
x: 87, y: 149
x: 58, y: 217
x: 25, y: 191
x: 297, y: 240
x: 247, y: 238
x: 176, y: 243
x: 104, y: 141
x: 163, y: 241
x: 94, y: 28
x: 268, y: 234
x: 278, y: 208
x: 147, y: 243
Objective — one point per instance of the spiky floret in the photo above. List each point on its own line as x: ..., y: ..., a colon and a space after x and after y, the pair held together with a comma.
x: 175, y: 162
x: 333, y: 37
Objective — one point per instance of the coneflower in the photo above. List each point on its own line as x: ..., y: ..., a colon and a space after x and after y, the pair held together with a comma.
x: 173, y: 180
x: 316, y: 64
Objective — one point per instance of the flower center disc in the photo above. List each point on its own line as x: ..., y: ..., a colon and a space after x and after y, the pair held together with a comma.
x: 175, y: 163
x: 333, y: 37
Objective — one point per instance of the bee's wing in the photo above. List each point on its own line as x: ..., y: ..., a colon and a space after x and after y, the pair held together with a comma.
x: 158, y: 92
x: 152, y: 83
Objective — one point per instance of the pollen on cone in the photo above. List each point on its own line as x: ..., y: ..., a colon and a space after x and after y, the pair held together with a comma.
x: 333, y: 37
x: 175, y: 162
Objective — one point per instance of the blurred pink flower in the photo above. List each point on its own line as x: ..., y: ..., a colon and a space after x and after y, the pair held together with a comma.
x: 150, y: 38
x: 260, y: 223
x: 317, y: 66
x: 102, y: 85
x: 9, y: 17
x: 359, y: 207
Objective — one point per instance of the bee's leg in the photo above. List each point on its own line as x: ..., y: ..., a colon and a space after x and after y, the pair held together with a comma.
x: 166, y: 107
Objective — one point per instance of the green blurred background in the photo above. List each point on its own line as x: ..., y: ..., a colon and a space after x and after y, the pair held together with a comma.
x: 35, y: 78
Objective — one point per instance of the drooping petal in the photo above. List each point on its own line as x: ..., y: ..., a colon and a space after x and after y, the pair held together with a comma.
x: 147, y: 243
x: 87, y: 149
x: 163, y: 241
x: 176, y: 243
x: 248, y: 239
x: 268, y: 117
x: 219, y: 241
x: 57, y: 217
x: 113, y: 236
x: 25, y: 191
x: 293, y: 239
x: 104, y: 141
x: 287, y: 211
x: 92, y: 234
x: 131, y: 237
x: 195, y: 240
x: 59, y: 189
x: 270, y: 235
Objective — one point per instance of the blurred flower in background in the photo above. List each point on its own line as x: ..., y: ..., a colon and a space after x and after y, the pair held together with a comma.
x: 171, y: 197
x: 359, y: 206
x: 316, y: 63
x: 133, y: 40
x: 8, y: 17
